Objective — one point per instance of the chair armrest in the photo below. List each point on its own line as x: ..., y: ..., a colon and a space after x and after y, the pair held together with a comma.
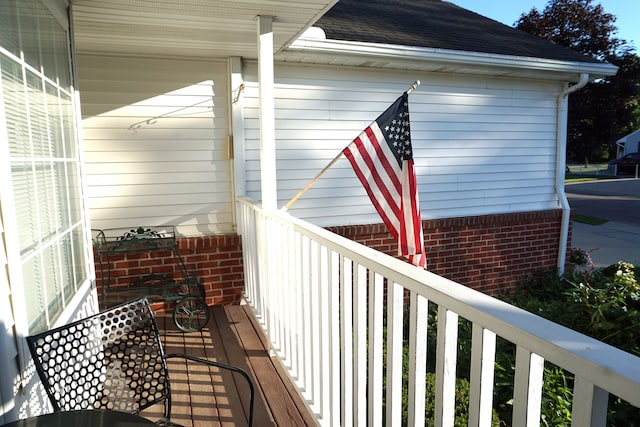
x: 222, y: 366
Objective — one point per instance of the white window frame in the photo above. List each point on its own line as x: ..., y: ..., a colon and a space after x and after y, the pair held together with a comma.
x: 84, y: 290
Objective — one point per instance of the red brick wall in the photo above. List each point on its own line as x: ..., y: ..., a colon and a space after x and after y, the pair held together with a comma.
x: 216, y: 261
x: 487, y: 253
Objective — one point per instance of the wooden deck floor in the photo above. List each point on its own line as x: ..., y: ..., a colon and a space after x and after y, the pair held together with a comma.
x: 205, y: 396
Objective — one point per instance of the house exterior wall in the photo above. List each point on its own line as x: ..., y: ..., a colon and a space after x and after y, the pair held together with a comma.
x: 482, y: 145
x: 156, y: 138
x: 484, y: 149
x: 484, y: 152
x: 630, y: 143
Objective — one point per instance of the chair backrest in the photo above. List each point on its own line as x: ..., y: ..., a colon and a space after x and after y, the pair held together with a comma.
x: 112, y: 360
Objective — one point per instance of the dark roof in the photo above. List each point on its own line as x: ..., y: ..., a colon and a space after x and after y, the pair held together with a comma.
x: 435, y: 24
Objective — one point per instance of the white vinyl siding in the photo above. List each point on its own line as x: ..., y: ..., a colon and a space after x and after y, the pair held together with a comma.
x: 482, y: 145
x: 155, y: 134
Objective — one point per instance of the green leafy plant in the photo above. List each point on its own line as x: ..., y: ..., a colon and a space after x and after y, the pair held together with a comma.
x: 579, y: 257
x: 601, y: 303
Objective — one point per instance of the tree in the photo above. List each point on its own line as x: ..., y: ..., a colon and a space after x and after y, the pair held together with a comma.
x: 604, y: 110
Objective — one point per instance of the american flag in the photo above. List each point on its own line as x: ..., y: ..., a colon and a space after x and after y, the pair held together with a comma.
x: 382, y: 158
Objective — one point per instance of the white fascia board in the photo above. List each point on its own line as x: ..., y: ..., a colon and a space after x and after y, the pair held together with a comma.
x: 328, y: 5
x: 452, y: 57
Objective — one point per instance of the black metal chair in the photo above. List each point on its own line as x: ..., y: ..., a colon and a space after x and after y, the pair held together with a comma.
x: 112, y: 360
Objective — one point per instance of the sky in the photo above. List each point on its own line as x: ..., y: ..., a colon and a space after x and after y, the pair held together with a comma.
x: 508, y: 12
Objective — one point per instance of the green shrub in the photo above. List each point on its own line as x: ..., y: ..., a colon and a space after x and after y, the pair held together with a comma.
x: 462, y: 403
x: 603, y: 304
x: 579, y: 257
x: 462, y: 382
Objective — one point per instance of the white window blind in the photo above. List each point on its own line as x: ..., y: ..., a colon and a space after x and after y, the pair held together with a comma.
x: 41, y: 143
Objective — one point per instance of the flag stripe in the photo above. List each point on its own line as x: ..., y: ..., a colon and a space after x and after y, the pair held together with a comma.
x: 410, y: 204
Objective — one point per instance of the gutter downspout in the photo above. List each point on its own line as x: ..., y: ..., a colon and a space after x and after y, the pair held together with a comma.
x: 561, y: 155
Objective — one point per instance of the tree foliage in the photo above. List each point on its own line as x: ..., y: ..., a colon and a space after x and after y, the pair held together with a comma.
x: 606, y: 109
x: 576, y: 24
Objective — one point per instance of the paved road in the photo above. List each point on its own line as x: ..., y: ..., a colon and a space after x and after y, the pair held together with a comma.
x: 617, y: 201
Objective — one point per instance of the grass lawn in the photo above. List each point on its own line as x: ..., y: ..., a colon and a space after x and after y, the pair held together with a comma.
x: 586, y: 219
x: 581, y: 173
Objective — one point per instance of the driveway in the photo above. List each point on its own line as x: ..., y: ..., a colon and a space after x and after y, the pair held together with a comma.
x: 617, y: 201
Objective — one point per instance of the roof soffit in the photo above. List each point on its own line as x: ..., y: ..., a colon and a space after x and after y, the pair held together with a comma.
x: 187, y: 28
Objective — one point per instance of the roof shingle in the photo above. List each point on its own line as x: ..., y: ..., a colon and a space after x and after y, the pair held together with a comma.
x: 435, y: 24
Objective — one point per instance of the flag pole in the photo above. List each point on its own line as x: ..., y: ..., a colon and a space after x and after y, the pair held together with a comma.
x: 313, y: 181
x: 335, y: 159
x: 413, y: 87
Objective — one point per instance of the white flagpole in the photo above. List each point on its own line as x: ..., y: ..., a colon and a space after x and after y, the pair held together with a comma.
x: 313, y: 181
x: 335, y: 159
x: 413, y: 87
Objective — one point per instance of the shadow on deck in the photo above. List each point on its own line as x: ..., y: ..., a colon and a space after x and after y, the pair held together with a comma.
x: 205, y: 396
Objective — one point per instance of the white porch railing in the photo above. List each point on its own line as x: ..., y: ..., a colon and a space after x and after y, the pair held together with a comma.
x: 321, y: 300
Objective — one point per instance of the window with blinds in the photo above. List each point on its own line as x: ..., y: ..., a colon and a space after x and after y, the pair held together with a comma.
x: 42, y: 147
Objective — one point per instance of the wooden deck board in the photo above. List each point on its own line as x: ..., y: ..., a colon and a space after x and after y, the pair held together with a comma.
x: 204, y: 396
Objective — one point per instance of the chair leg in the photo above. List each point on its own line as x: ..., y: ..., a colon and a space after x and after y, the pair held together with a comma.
x: 244, y: 374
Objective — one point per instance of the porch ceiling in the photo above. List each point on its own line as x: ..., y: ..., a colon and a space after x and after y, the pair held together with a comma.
x: 187, y: 28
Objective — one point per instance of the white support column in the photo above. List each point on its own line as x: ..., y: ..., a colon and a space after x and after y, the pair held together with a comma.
x: 267, y: 112
x: 236, y: 132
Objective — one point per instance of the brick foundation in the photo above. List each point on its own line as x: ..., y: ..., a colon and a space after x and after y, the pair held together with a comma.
x: 487, y: 253
x: 216, y: 261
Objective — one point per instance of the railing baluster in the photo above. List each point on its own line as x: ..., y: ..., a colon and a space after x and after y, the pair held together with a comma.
x: 446, y: 357
x: 483, y: 351
x: 276, y: 290
x: 334, y: 313
x: 360, y: 345
x: 315, y: 309
x: 590, y: 404
x: 418, y: 324
x: 324, y: 364
x: 296, y: 325
x: 262, y: 261
x: 395, y: 308
x: 527, y: 388
x: 307, y: 336
x: 375, y: 310
x: 286, y: 272
x: 347, y: 345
